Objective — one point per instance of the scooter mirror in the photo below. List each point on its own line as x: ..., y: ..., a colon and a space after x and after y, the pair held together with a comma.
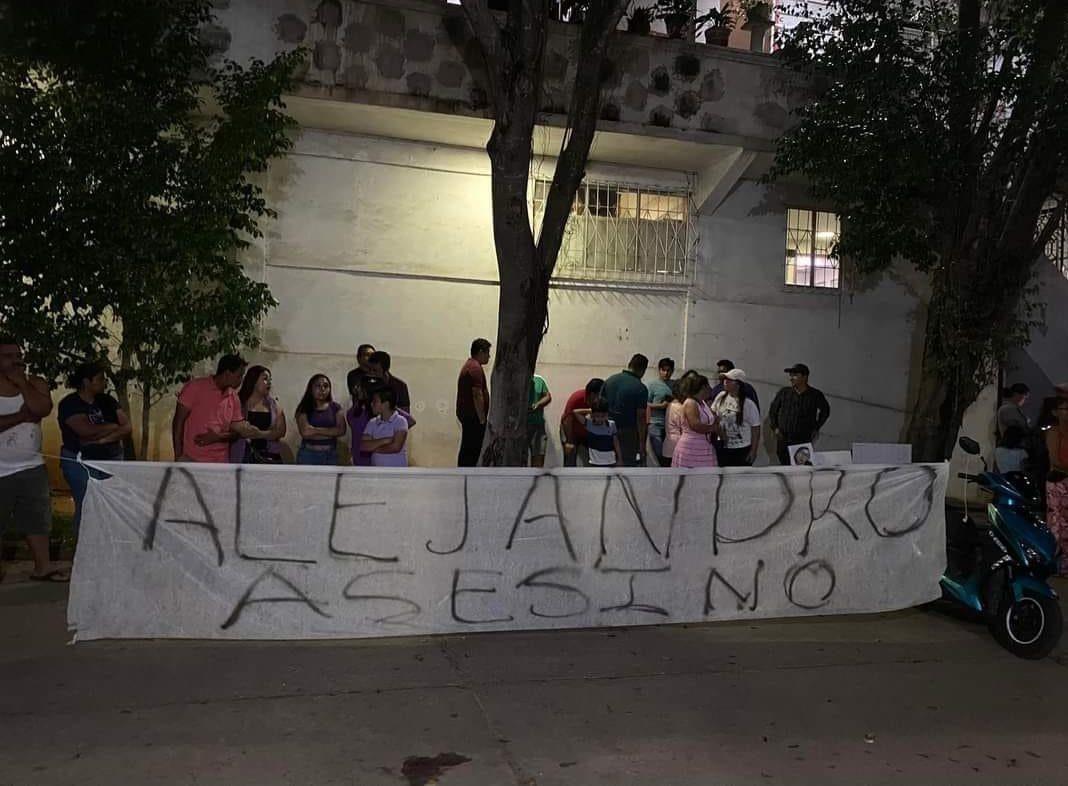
x: 969, y: 446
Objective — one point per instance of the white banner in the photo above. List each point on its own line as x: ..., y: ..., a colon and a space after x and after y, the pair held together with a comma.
x: 268, y: 552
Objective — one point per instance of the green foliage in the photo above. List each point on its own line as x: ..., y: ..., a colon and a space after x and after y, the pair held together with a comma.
x: 937, y: 131
x: 676, y: 8
x: 130, y: 170
x: 725, y: 17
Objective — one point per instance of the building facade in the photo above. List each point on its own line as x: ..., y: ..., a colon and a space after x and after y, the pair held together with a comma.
x: 675, y: 247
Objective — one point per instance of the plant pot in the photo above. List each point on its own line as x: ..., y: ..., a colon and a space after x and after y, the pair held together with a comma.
x: 638, y: 26
x: 717, y: 36
x: 676, y: 24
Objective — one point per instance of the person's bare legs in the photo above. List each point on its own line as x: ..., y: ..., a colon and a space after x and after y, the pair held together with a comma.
x: 39, y: 549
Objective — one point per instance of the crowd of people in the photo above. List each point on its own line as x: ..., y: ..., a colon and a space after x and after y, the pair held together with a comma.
x: 686, y: 422
x: 231, y: 416
x: 1039, y: 449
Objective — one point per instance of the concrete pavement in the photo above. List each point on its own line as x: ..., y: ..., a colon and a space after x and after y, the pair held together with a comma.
x: 912, y: 697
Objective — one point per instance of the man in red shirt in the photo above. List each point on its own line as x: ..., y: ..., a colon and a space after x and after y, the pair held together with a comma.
x: 472, y: 403
x: 208, y: 415
x: 573, y: 433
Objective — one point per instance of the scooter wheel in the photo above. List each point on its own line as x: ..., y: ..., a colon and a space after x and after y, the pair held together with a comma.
x: 1029, y: 627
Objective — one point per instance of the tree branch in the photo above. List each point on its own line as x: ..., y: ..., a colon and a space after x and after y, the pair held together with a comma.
x: 1050, y: 229
x: 488, y: 34
x: 1046, y: 52
x: 602, y: 18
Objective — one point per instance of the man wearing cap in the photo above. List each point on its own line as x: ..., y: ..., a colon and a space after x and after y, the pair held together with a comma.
x: 798, y: 413
x: 724, y: 366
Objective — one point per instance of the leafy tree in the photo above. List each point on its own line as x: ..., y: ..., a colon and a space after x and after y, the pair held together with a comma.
x: 938, y: 128
x: 512, y: 44
x: 129, y: 167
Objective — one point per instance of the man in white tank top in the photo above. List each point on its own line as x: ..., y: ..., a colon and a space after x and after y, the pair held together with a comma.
x: 25, y: 505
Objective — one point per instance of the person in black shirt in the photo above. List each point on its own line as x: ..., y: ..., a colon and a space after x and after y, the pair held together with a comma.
x: 363, y: 369
x: 93, y: 425
x: 379, y: 364
x: 798, y: 413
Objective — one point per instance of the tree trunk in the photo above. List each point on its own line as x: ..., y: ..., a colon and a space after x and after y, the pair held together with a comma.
x: 961, y: 316
x: 523, y: 303
x: 146, y: 409
x: 513, y: 55
x: 122, y: 393
x: 936, y: 417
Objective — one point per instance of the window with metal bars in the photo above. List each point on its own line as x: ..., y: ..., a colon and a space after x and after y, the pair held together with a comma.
x: 1057, y: 247
x: 624, y: 233
x: 810, y: 239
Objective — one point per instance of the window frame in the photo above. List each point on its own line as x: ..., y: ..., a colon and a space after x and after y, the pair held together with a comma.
x: 812, y: 229
x: 630, y: 226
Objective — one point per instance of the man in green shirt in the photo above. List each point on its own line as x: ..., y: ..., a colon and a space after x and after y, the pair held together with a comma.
x: 536, y: 436
x: 628, y: 404
x: 660, y: 396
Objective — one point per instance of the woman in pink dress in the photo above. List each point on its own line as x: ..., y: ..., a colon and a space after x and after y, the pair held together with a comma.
x: 675, y: 418
x: 695, y: 448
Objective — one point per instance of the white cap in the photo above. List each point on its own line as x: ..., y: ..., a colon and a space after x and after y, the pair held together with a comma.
x: 736, y: 374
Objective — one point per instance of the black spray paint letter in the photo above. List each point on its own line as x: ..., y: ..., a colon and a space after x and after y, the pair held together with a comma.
x: 536, y: 579
x: 739, y: 598
x: 208, y: 522
x: 238, y: 500
x: 400, y: 618
x: 295, y: 596
x: 457, y: 591
x: 339, y: 506
x: 558, y: 514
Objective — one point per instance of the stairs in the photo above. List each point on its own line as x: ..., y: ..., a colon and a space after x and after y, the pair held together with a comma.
x: 1044, y: 362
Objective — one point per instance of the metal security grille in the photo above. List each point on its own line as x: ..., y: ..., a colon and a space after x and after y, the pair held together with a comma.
x: 624, y: 233
x: 1057, y: 247
x: 810, y: 239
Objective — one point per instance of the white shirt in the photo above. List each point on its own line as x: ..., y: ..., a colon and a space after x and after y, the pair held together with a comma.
x: 736, y: 435
x: 20, y: 446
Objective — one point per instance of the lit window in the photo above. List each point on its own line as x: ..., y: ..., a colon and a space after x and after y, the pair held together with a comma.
x: 623, y: 233
x: 811, y: 237
x: 1057, y: 245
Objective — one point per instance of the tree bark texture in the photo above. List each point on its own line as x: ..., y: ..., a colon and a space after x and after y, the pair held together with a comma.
x: 988, y: 240
x: 513, y: 47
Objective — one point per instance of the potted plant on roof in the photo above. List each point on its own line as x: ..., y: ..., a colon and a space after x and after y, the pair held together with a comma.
x: 717, y: 24
x: 640, y: 19
x: 758, y: 11
x: 677, y: 15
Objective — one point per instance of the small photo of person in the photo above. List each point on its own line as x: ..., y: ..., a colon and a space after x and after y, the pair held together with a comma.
x: 801, y: 455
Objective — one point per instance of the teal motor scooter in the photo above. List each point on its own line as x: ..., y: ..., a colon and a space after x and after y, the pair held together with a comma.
x: 1000, y: 570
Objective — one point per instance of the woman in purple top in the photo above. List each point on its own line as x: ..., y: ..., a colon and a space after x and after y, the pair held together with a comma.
x: 262, y: 411
x: 386, y: 434
x: 320, y: 422
x: 358, y: 415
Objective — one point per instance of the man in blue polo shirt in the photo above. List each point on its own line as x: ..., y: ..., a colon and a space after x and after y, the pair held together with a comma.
x: 628, y: 400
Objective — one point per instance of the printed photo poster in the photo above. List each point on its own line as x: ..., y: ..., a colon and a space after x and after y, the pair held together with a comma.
x: 801, y: 455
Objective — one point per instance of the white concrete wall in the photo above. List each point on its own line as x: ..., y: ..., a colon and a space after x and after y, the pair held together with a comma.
x: 389, y: 242
x: 858, y: 347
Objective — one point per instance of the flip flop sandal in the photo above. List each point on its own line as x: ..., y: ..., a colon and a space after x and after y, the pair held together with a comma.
x: 52, y: 577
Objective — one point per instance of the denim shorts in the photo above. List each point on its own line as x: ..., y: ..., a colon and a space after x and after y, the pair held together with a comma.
x: 25, y: 504
x: 317, y: 458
